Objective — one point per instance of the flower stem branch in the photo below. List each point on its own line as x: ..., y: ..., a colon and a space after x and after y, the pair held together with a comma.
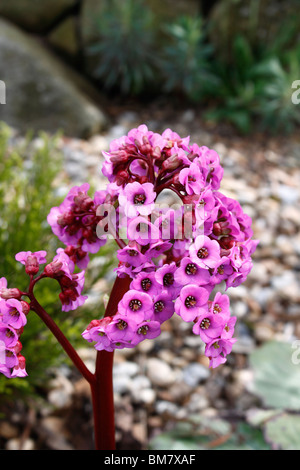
x: 64, y: 342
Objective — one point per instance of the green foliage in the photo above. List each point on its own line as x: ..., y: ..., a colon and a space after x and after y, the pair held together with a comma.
x: 256, y: 90
x: 274, y: 101
x: 238, y: 87
x: 247, y: 85
x: 283, y: 431
x: 274, y: 425
x: 276, y: 377
x: 210, y: 434
x: 185, y: 63
x: 27, y: 174
x: 124, y: 50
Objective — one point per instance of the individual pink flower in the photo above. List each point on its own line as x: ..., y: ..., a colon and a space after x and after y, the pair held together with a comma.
x: 208, y: 326
x: 217, y: 351
x: 12, y: 314
x: 19, y: 369
x: 191, y: 272
x: 205, y: 252
x: 146, y: 330
x: 8, y: 335
x: 165, y: 276
x: 220, y: 305
x: 31, y: 260
x: 131, y: 255
x: 62, y: 264
x: 136, y: 305
x: 191, y: 302
x: 121, y: 328
x: 146, y: 282
x: 163, y: 307
x: 191, y: 179
x: 228, y: 330
x: 137, y: 199
x: 142, y: 231
x: 158, y: 248
x: 222, y: 270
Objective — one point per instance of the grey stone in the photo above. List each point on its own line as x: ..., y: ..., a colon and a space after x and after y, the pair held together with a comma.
x: 160, y: 373
x: 41, y: 92
x: 195, y: 373
x: 34, y: 15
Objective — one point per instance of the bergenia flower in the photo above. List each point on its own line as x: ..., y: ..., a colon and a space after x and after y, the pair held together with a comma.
x: 137, y: 199
x: 191, y: 272
x: 191, y: 179
x: 12, y: 314
x: 31, y: 260
x: 136, y: 305
x: 191, y: 301
x: 205, y: 252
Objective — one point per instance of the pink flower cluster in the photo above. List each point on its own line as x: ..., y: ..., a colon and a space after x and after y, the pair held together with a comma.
x: 179, y: 258
x: 13, y: 318
x: 14, y: 309
x: 173, y: 270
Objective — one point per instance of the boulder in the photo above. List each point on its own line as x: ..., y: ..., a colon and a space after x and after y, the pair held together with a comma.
x: 35, y: 15
x: 42, y: 93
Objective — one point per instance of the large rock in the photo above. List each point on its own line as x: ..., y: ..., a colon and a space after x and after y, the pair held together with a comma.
x: 35, y: 15
x: 41, y: 92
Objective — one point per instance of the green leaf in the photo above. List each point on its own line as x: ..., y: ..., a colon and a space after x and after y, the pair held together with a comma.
x: 276, y: 378
x: 283, y: 432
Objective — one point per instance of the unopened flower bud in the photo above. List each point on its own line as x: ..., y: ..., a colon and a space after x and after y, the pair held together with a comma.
x: 53, y: 268
x: 171, y: 163
x: 25, y: 307
x: 31, y: 265
x: 18, y: 347
x: 122, y: 177
x: 83, y: 201
x: 12, y: 293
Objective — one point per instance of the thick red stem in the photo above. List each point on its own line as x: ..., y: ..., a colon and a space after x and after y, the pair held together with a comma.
x: 102, y: 386
x: 101, y: 382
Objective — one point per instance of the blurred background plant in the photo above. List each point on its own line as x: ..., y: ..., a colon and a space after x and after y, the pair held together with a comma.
x: 123, y: 53
x: 185, y: 59
x: 237, y: 68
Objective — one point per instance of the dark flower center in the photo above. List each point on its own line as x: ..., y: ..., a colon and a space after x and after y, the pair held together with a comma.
x: 159, y: 306
x: 14, y: 312
x: 221, y: 269
x: 146, y: 284
x: 191, y: 268
x: 202, y: 253
x: 132, y: 252
x: 135, y: 304
x: 205, y: 324
x: 143, y: 330
x: 168, y: 279
x: 122, y: 325
x: 9, y: 333
x: 217, y: 308
x: 190, y: 301
x: 139, y: 199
